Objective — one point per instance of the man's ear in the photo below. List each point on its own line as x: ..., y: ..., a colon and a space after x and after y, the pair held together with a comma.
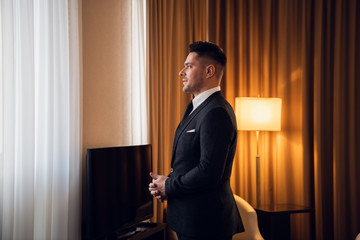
x: 210, y: 71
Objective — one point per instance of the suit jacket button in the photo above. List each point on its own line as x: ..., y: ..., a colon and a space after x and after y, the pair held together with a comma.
x: 171, y: 170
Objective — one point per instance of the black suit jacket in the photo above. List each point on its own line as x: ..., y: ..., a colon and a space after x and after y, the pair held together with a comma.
x: 200, y: 200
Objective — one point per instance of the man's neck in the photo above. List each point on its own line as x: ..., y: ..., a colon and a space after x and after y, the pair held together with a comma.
x: 200, y: 98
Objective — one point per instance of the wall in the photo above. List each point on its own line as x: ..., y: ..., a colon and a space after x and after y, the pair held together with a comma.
x: 106, y: 37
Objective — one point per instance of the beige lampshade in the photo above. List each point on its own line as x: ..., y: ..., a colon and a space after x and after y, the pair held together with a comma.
x: 258, y: 114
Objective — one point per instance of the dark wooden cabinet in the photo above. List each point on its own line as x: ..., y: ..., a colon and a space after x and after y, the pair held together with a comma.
x: 274, y: 220
x: 152, y: 231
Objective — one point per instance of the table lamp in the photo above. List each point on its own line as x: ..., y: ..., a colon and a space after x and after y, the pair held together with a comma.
x: 258, y: 114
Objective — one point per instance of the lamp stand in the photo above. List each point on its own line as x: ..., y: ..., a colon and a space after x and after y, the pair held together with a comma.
x: 258, y: 194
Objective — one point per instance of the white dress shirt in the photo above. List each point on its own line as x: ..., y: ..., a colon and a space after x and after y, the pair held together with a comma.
x: 199, y: 99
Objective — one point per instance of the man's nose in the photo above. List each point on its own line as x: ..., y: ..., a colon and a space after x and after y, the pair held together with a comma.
x: 181, y: 73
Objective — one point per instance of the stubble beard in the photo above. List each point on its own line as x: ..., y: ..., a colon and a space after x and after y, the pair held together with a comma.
x: 192, y: 89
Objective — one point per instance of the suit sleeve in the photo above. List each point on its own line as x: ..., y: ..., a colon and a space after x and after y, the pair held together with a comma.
x: 217, y: 133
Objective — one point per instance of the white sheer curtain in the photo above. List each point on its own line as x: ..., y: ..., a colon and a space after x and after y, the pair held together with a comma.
x: 39, y: 120
x: 139, y: 88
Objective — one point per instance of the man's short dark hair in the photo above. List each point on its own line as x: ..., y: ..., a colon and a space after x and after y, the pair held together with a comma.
x: 210, y: 50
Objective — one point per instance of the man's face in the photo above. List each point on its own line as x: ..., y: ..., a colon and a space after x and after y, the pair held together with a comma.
x: 192, y: 74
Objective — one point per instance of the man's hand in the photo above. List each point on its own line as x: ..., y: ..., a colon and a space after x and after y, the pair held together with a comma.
x: 157, y: 186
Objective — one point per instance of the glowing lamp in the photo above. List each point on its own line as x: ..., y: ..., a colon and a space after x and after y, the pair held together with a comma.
x: 258, y: 114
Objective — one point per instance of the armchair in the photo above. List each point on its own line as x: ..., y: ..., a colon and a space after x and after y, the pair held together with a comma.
x: 249, y: 218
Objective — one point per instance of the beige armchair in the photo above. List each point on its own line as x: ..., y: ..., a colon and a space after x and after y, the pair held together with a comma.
x: 249, y: 218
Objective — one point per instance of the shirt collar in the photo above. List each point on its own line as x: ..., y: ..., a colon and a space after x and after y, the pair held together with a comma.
x: 203, y: 96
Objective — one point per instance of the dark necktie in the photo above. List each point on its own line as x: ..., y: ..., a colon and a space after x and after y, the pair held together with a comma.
x: 188, y: 110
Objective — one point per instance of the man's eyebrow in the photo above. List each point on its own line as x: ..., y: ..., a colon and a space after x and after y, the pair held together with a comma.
x: 187, y: 64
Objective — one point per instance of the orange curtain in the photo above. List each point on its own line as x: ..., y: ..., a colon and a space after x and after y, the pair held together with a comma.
x: 173, y: 25
x: 305, y: 52
x: 266, y: 43
x: 337, y: 118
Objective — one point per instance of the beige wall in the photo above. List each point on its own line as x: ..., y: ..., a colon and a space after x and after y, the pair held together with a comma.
x: 105, y: 37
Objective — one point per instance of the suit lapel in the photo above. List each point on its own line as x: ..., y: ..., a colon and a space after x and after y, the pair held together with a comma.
x: 185, y: 122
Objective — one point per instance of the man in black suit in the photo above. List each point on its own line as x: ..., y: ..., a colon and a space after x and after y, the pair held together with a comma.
x: 201, y: 205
